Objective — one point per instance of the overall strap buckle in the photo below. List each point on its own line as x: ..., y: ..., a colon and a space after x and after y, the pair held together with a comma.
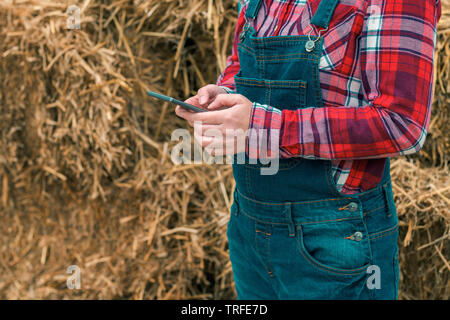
x: 311, y: 44
x: 321, y: 19
x: 250, y: 15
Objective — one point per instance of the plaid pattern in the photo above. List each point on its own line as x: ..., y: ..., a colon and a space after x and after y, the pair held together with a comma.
x: 376, y: 75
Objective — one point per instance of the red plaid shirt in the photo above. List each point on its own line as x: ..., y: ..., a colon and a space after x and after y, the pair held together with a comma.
x: 376, y: 77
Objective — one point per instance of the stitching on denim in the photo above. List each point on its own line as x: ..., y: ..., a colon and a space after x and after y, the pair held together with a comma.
x: 377, y: 188
x: 262, y: 221
x: 296, y: 56
x: 326, y: 221
x: 304, y: 202
x: 299, y: 202
x: 285, y: 55
x: 257, y: 249
x: 294, y: 83
x: 344, y: 207
x: 291, y: 59
x: 269, y: 264
x: 262, y: 252
x: 384, y: 233
x: 260, y: 231
x: 261, y: 64
x: 245, y: 50
x: 247, y: 179
x: 396, y: 275
x: 297, y: 223
x: 302, y: 94
x: 284, y: 39
x: 370, y: 211
x: 256, y: 237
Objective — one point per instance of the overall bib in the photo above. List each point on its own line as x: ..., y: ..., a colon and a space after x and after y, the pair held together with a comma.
x: 293, y: 235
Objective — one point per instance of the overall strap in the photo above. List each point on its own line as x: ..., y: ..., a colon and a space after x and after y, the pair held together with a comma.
x: 252, y: 9
x: 324, y: 13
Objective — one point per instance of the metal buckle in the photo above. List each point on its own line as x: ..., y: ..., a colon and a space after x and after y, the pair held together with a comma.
x: 311, y: 44
x: 244, y: 31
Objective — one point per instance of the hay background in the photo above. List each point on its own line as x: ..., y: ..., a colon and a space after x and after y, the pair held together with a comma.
x: 85, y: 173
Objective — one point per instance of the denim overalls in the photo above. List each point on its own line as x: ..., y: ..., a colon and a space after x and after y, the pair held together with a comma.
x: 293, y: 235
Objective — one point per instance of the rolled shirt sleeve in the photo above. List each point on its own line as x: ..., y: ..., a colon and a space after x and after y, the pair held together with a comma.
x: 396, y: 58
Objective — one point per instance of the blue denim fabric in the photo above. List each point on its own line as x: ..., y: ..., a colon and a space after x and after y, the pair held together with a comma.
x: 293, y: 235
x: 308, y: 249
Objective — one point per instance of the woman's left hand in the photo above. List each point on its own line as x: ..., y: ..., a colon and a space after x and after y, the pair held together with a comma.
x: 222, y: 130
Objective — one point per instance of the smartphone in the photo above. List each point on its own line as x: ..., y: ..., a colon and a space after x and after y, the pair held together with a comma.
x: 175, y: 101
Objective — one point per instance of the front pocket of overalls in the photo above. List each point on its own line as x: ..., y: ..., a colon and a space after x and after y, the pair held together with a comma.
x: 338, y: 247
x: 284, y: 94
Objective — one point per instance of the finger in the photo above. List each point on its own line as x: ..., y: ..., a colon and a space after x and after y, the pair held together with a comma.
x: 182, y: 112
x: 225, y: 100
x: 185, y: 114
x: 193, y: 100
x: 206, y: 94
x: 209, y: 118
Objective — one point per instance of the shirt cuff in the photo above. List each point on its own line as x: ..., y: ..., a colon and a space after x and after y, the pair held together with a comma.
x: 264, y: 132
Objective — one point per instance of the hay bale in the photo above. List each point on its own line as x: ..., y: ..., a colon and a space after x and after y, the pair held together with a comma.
x: 84, y: 155
x: 85, y: 171
x: 423, y: 202
x: 436, y: 151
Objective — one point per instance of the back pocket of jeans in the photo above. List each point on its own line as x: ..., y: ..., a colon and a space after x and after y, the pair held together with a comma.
x: 338, y: 247
x: 282, y: 94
